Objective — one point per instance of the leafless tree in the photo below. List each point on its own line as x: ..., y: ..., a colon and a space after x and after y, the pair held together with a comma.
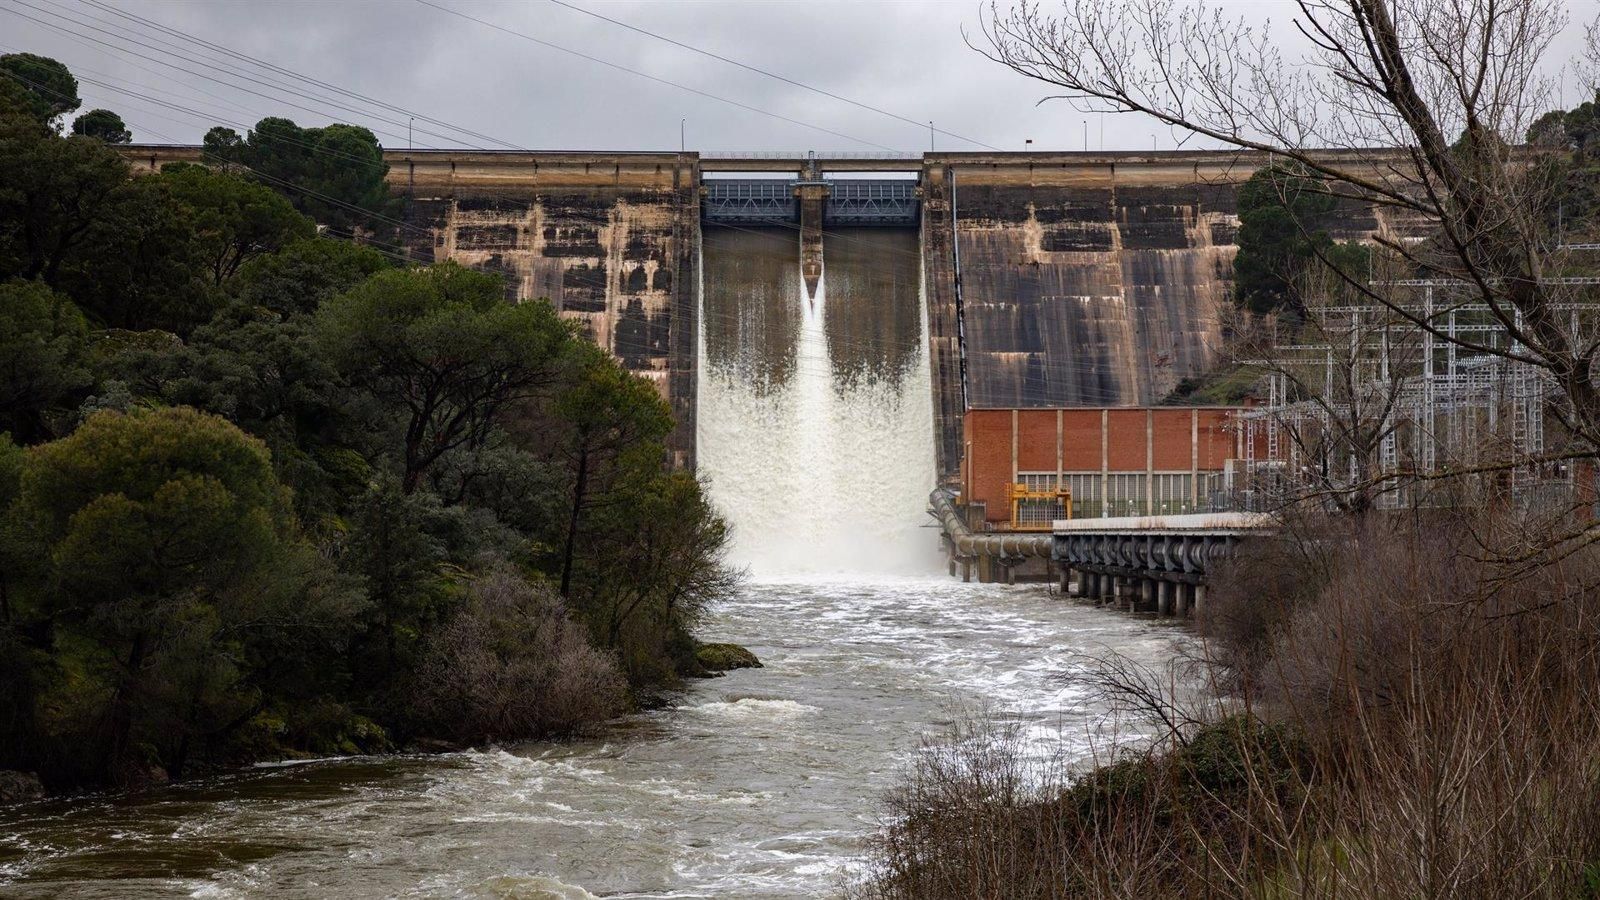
x: 1339, y: 380
x: 1416, y: 108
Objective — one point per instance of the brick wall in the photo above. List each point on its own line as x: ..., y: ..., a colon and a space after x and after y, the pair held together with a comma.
x: 999, y: 445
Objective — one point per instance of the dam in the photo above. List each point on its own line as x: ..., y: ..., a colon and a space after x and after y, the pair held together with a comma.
x: 1047, y: 279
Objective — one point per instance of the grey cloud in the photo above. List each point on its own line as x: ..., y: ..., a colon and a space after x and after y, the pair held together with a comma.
x: 906, y: 57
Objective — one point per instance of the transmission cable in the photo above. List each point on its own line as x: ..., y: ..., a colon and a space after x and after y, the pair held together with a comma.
x: 161, y: 62
x: 774, y: 75
x: 621, y: 68
x: 183, y: 35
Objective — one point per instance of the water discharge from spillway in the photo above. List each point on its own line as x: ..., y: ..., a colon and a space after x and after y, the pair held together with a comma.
x: 815, y: 429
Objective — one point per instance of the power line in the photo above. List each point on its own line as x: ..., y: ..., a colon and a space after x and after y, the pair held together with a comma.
x: 621, y: 68
x: 166, y: 29
x: 199, y: 62
x: 759, y: 71
x: 1043, y: 367
x: 366, y: 213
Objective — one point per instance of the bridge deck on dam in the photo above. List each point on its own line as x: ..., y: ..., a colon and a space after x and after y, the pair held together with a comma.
x: 772, y: 201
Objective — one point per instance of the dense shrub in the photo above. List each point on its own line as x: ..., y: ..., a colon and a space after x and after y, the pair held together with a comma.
x: 1417, y: 721
x: 265, y: 494
x: 511, y: 664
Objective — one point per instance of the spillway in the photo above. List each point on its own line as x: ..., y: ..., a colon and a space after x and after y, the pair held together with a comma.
x: 815, y: 429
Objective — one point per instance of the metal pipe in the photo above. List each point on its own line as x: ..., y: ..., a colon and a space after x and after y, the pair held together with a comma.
x: 942, y: 506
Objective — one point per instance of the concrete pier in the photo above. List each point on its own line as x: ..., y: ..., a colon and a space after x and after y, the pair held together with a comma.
x: 1153, y: 563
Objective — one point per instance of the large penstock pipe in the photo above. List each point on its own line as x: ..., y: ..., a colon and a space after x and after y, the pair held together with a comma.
x: 942, y: 506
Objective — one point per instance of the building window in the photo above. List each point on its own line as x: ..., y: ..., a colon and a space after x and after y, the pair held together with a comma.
x: 1125, y: 495
x: 1085, y: 488
x: 1174, y: 494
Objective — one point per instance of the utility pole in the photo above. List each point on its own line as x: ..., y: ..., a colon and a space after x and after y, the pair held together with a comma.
x: 1086, y: 135
x: 930, y: 135
x: 411, y: 120
x: 682, y: 145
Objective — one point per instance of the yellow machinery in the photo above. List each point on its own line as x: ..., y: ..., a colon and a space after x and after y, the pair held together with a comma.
x: 1034, y: 510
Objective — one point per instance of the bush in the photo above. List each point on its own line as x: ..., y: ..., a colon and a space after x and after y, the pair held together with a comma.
x: 511, y: 665
x: 1416, y: 718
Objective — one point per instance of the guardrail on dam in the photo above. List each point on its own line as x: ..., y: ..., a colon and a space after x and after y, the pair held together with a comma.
x: 1077, y: 279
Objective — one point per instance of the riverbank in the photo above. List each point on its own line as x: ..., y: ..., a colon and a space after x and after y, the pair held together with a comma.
x: 1387, y: 718
x: 764, y: 783
x: 712, y: 660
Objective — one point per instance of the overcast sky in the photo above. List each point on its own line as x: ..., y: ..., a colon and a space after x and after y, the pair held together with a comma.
x: 908, y: 58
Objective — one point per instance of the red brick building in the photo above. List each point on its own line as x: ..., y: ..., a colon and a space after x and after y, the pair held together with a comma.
x: 1115, y: 462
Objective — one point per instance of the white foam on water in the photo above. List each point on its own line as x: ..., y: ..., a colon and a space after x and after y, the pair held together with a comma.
x: 753, y: 708
x: 821, y: 476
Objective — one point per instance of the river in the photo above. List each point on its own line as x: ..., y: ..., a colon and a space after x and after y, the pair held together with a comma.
x: 815, y: 435
x: 758, y: 784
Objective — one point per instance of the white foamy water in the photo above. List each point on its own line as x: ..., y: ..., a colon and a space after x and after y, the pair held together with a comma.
x: 819, y: 476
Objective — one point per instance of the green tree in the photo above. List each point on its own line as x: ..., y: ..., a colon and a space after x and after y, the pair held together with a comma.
x: 137, y: 265
x: 334, y: 174
x: 52, y: 191
x: 614, y: 426
x: 165, y: 555
x: 654, y: 561
x: 299, y: 277
x: 1283, y: 218
x: 266, y: 375
x: 41, y: 357
x: 443, y: 349
x: 1574, y: 202
x: 233, y: 220
x: 163, y: 247
x: 50, y: 89
x: 103, y: 124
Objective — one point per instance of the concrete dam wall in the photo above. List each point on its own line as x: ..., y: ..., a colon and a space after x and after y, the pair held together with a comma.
x: 1077, y: 279
x: 611, y: 241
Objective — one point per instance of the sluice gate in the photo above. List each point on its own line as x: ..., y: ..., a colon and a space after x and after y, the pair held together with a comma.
x: 845, y: 202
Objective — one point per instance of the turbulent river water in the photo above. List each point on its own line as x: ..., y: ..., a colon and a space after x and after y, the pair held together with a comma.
x: 759, y: 784
x: 815, y: 435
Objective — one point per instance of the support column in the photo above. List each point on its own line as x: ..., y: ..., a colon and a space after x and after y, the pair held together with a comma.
x: 966, y: 570
x: 1066, y: 580
x: 1167, y: 589
x: 1199, y: 598
x: 1185, y: 598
